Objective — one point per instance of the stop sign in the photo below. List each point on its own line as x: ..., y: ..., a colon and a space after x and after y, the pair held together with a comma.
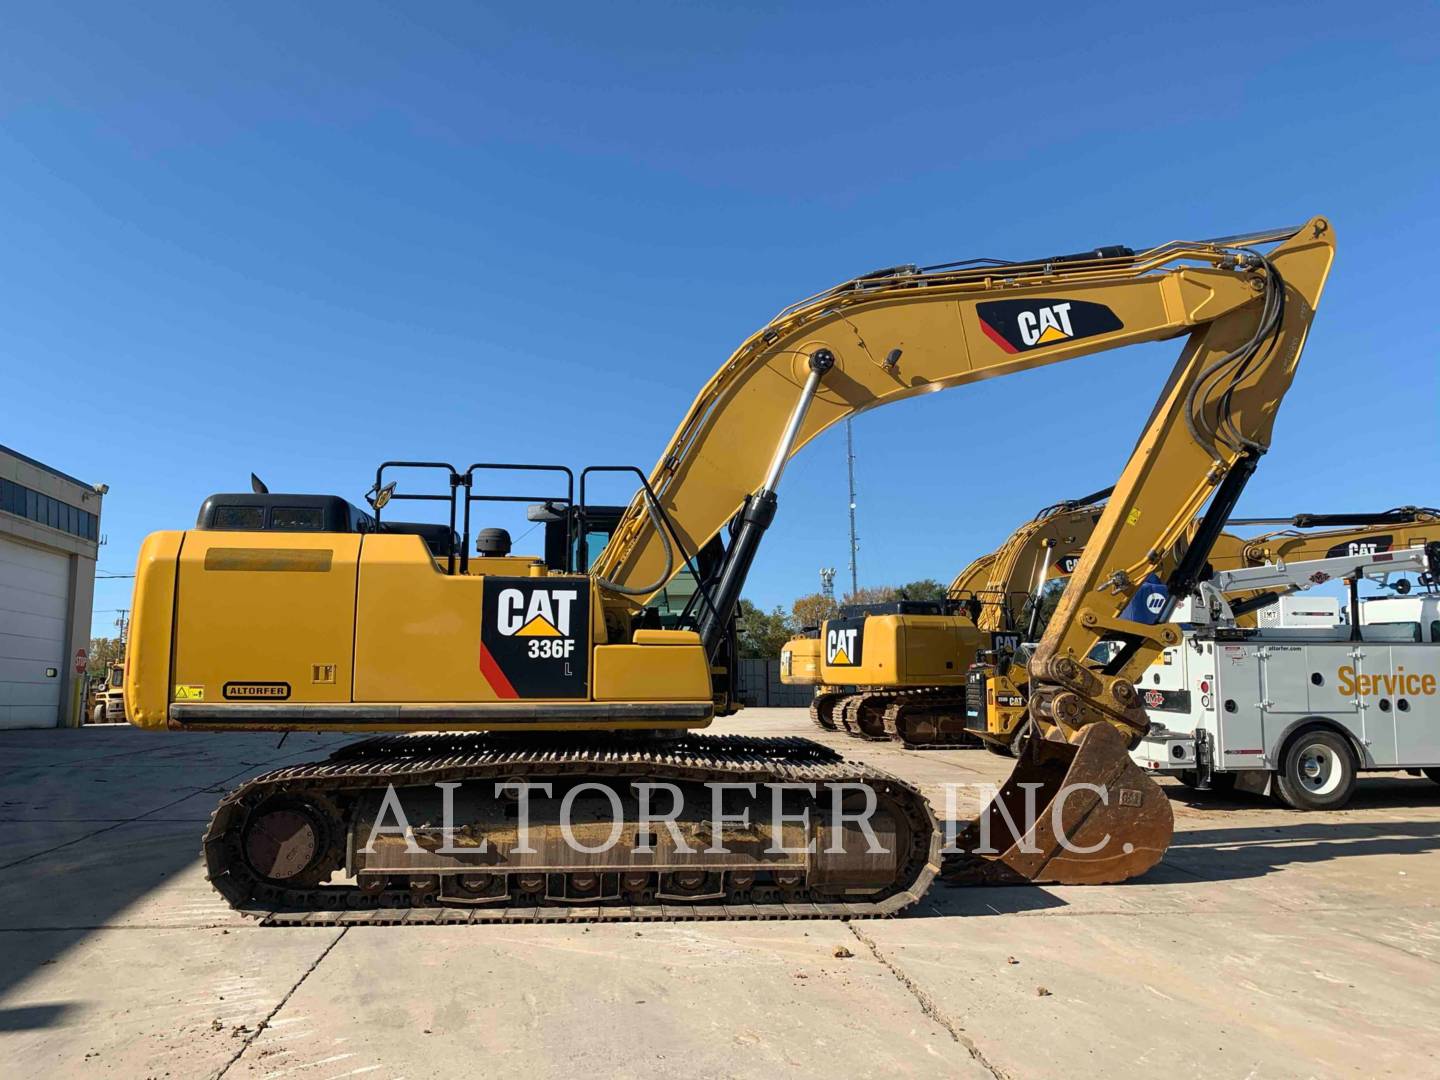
x: 79, y: 661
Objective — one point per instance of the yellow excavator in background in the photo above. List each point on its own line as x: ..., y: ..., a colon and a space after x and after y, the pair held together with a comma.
x: 300, y: 612
x: 997, y: 682
x: 898, y: 670
x: 1339, y: 534
x: 800, y: 657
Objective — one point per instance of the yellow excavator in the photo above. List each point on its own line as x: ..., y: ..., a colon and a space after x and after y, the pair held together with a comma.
x: 516, y: 771
x: 898, y: 670
x: 800, y: 657
x: 997, y: 681
x: 1335, y: 535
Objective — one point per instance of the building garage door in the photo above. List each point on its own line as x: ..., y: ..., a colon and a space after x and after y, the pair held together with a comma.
x: 34, y: 596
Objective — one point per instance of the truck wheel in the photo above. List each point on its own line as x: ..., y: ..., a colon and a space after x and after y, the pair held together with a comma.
x: 1318, y: 772
x: 98, y: 716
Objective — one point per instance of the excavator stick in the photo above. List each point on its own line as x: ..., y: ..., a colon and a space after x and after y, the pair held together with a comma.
x: 1079, y: 813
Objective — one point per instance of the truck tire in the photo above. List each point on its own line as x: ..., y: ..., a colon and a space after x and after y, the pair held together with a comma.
x: 98, y: 715
x: 1318, y: 772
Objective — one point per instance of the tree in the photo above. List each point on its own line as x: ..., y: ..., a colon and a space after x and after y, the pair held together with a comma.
x: 812, y: 610
x: 762, y: 633
x: 103, y: 652
x: 924, y: 589
x: 872, y: 594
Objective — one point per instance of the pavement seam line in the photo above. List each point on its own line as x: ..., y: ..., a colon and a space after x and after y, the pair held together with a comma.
x: 265, y: 1023
x: 927, y: 1004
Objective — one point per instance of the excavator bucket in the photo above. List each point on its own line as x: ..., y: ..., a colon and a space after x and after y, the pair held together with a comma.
x: 1077, y: 813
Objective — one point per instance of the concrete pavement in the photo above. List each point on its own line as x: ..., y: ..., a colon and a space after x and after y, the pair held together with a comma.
x: 1268, y: 944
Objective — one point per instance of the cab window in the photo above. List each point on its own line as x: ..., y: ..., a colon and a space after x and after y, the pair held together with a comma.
x: 588, y: 549
x: 297, y: 518
x: 239, y: 517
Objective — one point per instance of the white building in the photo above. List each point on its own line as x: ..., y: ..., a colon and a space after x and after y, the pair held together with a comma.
x: 49, y: 537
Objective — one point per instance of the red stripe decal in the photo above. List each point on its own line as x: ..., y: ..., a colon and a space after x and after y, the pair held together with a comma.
x: 494, y: 676
x: 994, y: 335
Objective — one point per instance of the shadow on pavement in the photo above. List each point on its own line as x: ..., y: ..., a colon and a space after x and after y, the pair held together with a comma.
x: 28, y: 1017
x: 1218, y: 854
x: 110, y: 817
x: 1371, y: 793
x: 1232, y: 854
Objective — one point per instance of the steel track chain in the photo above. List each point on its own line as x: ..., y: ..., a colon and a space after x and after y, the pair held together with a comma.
x: 420, y: 760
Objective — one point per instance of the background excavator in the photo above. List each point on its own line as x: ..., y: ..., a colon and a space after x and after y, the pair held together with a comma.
x: 997, y: 682
x: 898, y: 670
x: 299, y: 612
x: 800, y: 657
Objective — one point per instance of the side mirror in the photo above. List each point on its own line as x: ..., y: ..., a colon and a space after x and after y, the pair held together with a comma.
x: 378, y: 497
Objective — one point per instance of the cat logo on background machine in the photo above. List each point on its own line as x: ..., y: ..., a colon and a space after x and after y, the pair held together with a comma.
x: 1065, y: 565
x: 535, y: 637
x: 844, y: 642
x: 1373, y: 546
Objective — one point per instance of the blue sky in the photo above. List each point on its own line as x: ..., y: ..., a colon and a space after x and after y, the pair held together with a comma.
x: 301, y: 239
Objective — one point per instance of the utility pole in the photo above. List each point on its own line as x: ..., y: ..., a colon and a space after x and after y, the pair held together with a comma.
x: 854, y: 540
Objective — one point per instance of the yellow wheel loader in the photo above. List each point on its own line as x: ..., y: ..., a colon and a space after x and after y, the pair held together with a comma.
x: 532, y: 752
x: 105, y: 702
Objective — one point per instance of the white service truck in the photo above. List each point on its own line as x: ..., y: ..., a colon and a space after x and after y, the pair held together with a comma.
x: 1299, y: 706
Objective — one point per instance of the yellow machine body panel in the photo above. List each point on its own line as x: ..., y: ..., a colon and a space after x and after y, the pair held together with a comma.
x: 800, y: 662
x: 1006, y: 708
x: 418, y: 629
x: 898, y: 650
x: 259, y: 612
x: 662, y: 671
x: 152, y: 628
x: 316, y: 627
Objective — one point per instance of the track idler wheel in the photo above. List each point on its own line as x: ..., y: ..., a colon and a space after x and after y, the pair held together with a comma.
x: 822, y: 710
x: 1097, y: 818
x: 870, y: 719
x: 290, y: 842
